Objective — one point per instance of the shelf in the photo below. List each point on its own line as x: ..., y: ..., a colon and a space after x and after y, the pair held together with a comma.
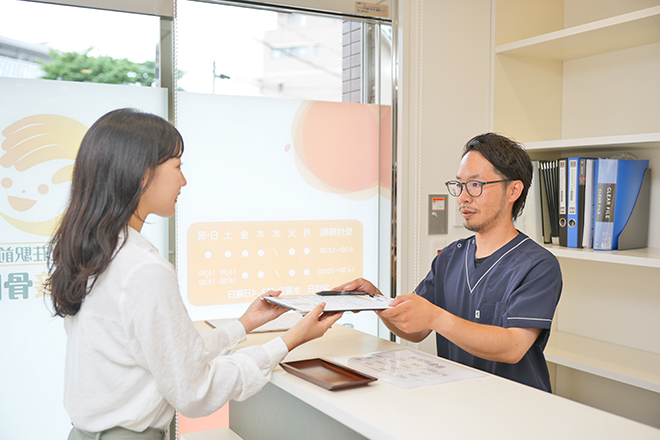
x: 645, y: 140
x: 646, y: 257
x: 621, y: 32
x: 597, y: 79
x: 614, y: 362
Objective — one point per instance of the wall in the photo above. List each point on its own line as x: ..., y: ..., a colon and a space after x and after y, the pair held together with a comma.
x: 444, y: 95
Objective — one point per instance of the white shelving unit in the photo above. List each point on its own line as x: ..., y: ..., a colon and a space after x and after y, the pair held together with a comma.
x: 632, y: 141
x: 615, y: 362
x: 587, y: 84
x: 647, y: 257
x: 615, y: 33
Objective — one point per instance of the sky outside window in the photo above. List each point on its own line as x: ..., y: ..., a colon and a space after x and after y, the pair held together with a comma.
x: 65, y: 28
x: 240, y: 51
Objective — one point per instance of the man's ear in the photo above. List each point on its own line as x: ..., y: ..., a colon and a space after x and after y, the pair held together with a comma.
x: 515, y: 190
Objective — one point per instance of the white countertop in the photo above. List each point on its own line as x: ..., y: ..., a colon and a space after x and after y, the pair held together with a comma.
x: 486, y: 407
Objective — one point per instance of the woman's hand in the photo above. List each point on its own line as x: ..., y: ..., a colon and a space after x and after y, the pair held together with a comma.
x: 312, y: 326
x: 261, y: 312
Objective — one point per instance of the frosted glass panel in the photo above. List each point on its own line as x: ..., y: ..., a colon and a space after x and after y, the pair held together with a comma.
x: 282, y: 194
x: 289, y: 170
x: 38, y: 114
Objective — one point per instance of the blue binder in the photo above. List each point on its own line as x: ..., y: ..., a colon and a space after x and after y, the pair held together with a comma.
x: 619, y: 185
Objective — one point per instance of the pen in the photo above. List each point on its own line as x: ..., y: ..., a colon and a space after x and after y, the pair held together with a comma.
x: 343, y: 292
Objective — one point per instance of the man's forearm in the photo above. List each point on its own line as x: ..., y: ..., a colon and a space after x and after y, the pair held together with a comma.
x: 490, y: 342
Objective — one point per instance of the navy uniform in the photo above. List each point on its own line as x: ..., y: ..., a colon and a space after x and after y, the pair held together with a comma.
x: 517, y: 286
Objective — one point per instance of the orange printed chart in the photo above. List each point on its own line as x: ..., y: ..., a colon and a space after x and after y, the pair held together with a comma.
x: 234, y: 262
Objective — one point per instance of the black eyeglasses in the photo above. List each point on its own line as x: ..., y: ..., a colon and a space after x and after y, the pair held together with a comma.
x: 473, y: 187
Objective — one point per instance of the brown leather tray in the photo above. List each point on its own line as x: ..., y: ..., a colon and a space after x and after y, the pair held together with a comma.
x: 327, y: 374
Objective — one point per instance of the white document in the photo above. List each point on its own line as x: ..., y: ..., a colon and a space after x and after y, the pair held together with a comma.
x: 333, y: 303
x: 410, y: 369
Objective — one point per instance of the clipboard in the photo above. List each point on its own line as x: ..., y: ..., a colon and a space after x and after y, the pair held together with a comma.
x: 333, y: 303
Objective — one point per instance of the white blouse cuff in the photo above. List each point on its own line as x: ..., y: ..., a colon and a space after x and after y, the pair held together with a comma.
x: 235, y: 332
x: 276, y: 350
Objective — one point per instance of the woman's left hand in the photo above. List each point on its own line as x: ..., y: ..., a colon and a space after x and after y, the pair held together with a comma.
x: 261, y: 312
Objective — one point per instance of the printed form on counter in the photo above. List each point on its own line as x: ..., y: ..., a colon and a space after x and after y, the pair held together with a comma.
x: 410, y: 369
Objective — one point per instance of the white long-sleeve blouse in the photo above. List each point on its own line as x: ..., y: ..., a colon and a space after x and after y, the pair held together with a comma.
x: 133, y: 354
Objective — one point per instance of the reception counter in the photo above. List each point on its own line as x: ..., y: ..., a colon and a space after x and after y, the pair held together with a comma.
x: 485, y: 407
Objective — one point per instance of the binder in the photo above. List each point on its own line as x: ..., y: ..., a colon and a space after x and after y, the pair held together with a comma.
x: 550, y: 176
x: 546, y: 217
x: 622, y: 204
x: 605, y: 194
x: 582, y: 182
x: 563, y: 198
x: 635, y: 233
x: 572, y: 200
x: 577, y: 170
x: 530, y: 221
x: 589, y: 189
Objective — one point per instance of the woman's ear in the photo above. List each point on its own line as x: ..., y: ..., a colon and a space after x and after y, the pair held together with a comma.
x: 146, y: 179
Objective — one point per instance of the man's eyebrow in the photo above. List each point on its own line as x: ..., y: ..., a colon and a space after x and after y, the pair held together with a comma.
x: 472, y: 177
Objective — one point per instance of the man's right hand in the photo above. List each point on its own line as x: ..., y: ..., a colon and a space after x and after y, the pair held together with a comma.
x: 404, y: 305
x: 359, y: 284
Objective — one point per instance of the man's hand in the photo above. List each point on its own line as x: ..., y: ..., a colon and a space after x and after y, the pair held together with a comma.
x: 410, y: 317
x: 413, y: 318
x: 359, y: 284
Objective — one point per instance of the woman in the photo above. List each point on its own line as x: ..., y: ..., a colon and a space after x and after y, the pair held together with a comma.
x: 133, y: 354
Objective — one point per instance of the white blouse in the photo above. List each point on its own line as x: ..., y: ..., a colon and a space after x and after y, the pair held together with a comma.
x: 133, y: 354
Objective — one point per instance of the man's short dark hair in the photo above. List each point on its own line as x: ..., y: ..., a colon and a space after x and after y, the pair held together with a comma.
x: 509, y: 159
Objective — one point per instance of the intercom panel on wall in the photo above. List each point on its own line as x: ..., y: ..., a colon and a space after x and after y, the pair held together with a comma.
x: 437, y: 214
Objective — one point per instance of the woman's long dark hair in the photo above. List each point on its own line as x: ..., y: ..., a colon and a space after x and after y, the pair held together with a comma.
x: 119, y: 151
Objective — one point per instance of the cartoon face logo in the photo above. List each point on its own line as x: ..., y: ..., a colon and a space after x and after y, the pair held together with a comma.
x: 39, y: 152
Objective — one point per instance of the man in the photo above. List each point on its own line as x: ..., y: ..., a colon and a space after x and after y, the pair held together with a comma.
x: 490, y: 297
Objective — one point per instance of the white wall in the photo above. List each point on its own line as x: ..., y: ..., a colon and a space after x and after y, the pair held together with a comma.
x: 444, y: 93
x: 446, y: 97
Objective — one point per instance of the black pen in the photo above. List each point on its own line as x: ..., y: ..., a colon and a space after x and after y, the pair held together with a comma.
x: 343, y: 292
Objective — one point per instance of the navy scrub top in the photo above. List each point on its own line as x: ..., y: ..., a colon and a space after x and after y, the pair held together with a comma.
x: 517, y: 286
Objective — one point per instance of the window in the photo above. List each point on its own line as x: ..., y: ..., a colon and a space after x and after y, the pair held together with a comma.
x: 36, y: 42
x: 253, y: 83
x: 258, y: 52
x: 49, y: 118
x: 294, y: 51
x: 292, y: 172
